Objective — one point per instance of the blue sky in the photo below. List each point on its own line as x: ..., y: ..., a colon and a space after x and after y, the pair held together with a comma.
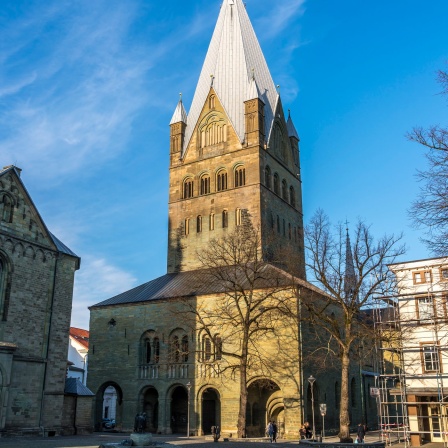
x: 87, y: 90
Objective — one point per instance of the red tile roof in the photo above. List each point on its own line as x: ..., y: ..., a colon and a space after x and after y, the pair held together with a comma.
x: 82, y: 336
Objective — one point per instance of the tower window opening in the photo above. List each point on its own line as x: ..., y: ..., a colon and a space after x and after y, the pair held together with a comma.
x: 267, y: 177
x: 225, y: 219
x: 188, y: 188
x: 212, y: 221
x: 276, y: 184
x: 292, y: 196
x: 205, y: 185
x: 238, y: 217
x: 284, y: 190
x: 221, y: 181
x: 240, y: 177
x: 211, y: 102
x: 187, y: 226
x: 278, y: 224
x: 199, y: 224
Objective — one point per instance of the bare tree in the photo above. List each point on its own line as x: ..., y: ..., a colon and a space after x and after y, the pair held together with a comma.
x: 247, y: 309
x: 351, y: 276
x: 430, y: 209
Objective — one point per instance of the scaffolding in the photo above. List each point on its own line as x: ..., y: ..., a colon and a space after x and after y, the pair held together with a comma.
x: 411, y: 386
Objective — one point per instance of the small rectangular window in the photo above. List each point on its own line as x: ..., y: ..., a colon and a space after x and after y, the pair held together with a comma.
x: 444, y: 273
x: 421, y: 277
x: 425, y: 309
x: 430, y: 358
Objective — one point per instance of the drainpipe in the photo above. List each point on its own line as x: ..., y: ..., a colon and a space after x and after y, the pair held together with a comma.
x: 48, y: 346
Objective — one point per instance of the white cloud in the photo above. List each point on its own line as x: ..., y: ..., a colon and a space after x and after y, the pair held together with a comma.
x: 97, y: 280
x: 70, y: 94
x: 274, y: 23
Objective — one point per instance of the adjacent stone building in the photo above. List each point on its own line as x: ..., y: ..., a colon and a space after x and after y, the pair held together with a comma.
x: 36, y: 286
x: 234, y: 155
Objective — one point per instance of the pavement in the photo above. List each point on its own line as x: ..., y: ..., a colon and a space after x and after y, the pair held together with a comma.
x: 96, y: 439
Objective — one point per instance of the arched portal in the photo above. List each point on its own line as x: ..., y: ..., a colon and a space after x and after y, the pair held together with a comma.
x: 179, y: 410
x: 211, y: 410
x: 264, y: 403
x: 108, y: 407
x: 150, y: 405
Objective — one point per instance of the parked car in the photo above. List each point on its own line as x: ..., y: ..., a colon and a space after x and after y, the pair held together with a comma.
x: 108, y: 423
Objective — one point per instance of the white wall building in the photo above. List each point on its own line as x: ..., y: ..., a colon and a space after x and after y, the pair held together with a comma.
x: 423, y: 321
x: 78, y: 348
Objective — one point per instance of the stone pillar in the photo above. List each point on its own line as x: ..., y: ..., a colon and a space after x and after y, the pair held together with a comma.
x: 164, y: 424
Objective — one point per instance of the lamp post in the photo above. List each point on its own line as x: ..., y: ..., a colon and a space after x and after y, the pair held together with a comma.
x: 188, y: 410
x: 311, y: 380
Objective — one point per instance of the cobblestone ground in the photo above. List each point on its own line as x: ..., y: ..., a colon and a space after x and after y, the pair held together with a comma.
x: 95, y: 440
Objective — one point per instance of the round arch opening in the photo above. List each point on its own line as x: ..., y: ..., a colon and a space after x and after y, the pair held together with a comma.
x: 108, y: 407
x: 210, y: 410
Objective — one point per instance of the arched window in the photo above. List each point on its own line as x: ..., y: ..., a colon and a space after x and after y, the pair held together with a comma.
x: 225, y: 219
x: 205, y: 184
x: 292, y: 196
x: 267, y: 177
x: 238, y: 217
x: 211, y: 102
x: 6, y: 208
x: 175, y: 349
x: 276, y: 184
x: 218, y: 348
x: 221, y: 180
x: 240, y: 177
x: 185, y: 348
x: 206, y: 349
x: 147, y: 351
x: 284, y: 190
x: 353, y: 392
x: 188, y: 188
x: 156, y: 343
x: 199, y: 224
x: 3, y: 289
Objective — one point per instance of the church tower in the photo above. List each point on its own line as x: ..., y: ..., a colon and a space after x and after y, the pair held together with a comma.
x: 234, y: 153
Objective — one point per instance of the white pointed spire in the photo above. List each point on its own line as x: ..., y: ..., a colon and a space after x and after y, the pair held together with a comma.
x: 233, y: 54
x: 179, y: 114
x: 292, y: 132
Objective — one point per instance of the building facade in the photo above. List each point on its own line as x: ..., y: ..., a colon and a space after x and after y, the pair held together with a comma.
x: 36, y: 286
x: 234, y: 156
x: 423, y: 322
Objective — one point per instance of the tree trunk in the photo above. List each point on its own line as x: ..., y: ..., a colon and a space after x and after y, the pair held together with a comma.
x: 344, y: 419
x: 241, y: 426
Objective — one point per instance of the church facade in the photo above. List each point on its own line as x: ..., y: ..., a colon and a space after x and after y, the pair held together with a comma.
x: 234, y: 155
x: 36, y: 287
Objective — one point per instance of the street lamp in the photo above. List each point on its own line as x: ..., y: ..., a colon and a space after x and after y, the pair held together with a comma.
x: 311, y: 380
x: 188, y: 410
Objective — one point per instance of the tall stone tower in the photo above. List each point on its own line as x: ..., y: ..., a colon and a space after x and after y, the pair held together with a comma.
x: 234, y: 152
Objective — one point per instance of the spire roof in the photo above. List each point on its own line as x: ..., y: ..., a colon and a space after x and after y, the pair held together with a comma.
x: 233, y: 58
x: 179, y: 114
x: 350, y: 275
x: 292, y: 132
